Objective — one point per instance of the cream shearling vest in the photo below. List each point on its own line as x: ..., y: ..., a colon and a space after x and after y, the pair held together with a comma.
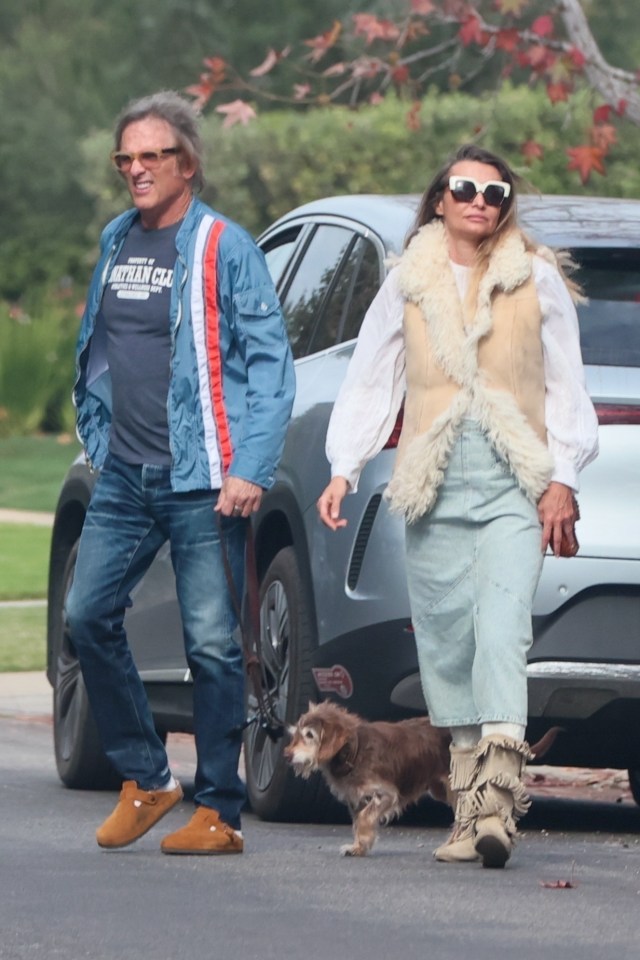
x: 484, y: 355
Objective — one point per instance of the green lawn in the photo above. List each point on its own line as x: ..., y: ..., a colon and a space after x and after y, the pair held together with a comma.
x: 31, y: 473
x: 24, y: 561
x: 32, y: 470
x: 22, y: 638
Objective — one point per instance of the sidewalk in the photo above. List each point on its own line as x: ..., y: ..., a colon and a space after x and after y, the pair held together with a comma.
x: 25, y: 694
x: 35, y: 517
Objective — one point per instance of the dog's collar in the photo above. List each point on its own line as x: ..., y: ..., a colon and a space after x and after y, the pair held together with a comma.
x: 345, y: 759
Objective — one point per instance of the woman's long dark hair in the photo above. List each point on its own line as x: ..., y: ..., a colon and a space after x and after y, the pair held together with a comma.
x: 435, y: 191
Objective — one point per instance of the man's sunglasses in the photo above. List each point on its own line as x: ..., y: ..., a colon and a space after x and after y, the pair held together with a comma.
x: 150, y: 159
x: 465, y: 189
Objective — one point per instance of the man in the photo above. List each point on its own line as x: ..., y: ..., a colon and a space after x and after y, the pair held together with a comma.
x: 184, y: 391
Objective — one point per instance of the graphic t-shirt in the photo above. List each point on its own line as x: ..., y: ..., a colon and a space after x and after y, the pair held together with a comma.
x: 135, y: 307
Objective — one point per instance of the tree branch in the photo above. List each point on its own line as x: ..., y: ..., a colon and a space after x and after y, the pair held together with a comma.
x: 611, y: 83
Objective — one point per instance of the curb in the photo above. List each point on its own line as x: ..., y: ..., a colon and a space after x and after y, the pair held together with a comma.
x: 25, y: 693
x: 34, y: 517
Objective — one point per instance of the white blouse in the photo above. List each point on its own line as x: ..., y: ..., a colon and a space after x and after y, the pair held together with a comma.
x: 371, y: 395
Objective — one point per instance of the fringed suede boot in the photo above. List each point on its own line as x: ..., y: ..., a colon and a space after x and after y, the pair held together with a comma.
x: 498, y: 798
x: 459, y: 846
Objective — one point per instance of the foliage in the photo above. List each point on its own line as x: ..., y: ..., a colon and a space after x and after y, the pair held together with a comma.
x: 36, y: 365
x: 257, y: 172
x: 260, y: 171
x: 67, y: 67
x: 418, y: 42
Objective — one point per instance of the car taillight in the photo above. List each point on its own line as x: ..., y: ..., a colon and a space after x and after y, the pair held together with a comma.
x: 392, y: 442
x: 609, y: 413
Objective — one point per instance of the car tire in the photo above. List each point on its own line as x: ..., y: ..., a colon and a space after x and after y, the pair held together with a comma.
x: 634, y: 783
x: 287, y: 642
x: 80, y: 759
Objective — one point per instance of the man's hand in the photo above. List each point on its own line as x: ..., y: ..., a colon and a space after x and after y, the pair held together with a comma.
x: 557, y: 512
x: 330, y: 501
x: 238, y: 498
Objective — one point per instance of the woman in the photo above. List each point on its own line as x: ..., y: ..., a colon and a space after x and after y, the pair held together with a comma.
x: 478, y: 326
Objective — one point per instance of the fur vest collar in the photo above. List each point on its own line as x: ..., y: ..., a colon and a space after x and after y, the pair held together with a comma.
x: 427, y: 280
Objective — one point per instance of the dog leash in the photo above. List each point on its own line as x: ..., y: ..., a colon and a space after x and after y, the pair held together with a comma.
x: 266, y: 714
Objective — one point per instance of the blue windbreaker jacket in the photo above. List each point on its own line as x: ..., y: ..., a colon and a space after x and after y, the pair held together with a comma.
x: 232, y: 380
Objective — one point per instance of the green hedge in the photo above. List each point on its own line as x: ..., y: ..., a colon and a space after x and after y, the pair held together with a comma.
x: 258, y: 172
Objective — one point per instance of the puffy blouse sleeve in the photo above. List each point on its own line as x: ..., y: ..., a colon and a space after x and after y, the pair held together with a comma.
x: 572, y: 424
x: 371, y: 394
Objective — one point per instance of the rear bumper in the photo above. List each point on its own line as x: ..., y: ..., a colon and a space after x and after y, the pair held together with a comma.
x: 576, y: 691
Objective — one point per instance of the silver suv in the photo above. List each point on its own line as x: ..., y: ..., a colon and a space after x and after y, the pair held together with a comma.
x: 334, y: 608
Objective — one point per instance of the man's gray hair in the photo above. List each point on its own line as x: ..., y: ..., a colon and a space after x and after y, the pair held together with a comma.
x: 179, y: 113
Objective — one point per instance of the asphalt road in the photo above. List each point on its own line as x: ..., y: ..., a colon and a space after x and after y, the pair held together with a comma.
x: 290, y: 895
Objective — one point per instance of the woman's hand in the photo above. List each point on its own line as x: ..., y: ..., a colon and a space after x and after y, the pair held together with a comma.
x: 557, y: 512
x: 330, y: 501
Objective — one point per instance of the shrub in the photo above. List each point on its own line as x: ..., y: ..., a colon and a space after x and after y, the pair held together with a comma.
x: 37, y: 367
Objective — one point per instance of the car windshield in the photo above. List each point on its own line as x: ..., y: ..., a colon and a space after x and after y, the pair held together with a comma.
x: 610, y: 321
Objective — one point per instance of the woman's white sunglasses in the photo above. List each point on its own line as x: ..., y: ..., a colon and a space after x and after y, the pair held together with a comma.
x: 465, y: 189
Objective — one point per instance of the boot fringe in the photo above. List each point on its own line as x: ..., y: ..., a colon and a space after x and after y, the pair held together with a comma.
x: 464, y: 767
x: 484, y: 801
x: 502, y: 742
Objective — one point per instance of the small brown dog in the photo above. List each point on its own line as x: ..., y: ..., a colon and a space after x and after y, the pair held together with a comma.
x: 377, y: 769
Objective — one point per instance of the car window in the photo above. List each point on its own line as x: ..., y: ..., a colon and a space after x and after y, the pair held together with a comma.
x: 610, y: 321
x: 367, y: 283
x: 353, y: 290
x: 312, y: 281
x: 277, y: 252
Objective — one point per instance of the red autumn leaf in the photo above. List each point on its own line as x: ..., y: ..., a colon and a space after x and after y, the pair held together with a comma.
x: 543, y: 26
x: 323, y: 42
x: 557, y: 884
x: 400, y: 75
x: 531, y: 150
x: 269, y: 62
x: 586, y: 158
x: 202, y: 91
x: 601, y: 114
x: 557, y: 92
x: 471, y: 32
x: 369, y: 26
x: 365, y: 68
x: 217, y: 67
x: 238, y: 111
x: 423, y: 7
x: 604, y: 135
x: 538, y: 57
x: 577, y: 58
x: 621, y: 107
x: 507, y: 40
x: 335, y: 70
x: 414, y: 31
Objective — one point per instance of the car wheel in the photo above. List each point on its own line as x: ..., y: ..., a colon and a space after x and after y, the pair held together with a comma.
x: 80, y: 759
x: 634, y: 783
x: 287, y: 644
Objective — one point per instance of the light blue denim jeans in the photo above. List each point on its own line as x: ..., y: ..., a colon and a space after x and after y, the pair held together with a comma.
x: 133, y: 511
x: 473, y: 565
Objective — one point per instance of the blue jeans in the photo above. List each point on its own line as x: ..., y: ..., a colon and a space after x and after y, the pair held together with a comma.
x: 473, y: 565
x: 133, y: 511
